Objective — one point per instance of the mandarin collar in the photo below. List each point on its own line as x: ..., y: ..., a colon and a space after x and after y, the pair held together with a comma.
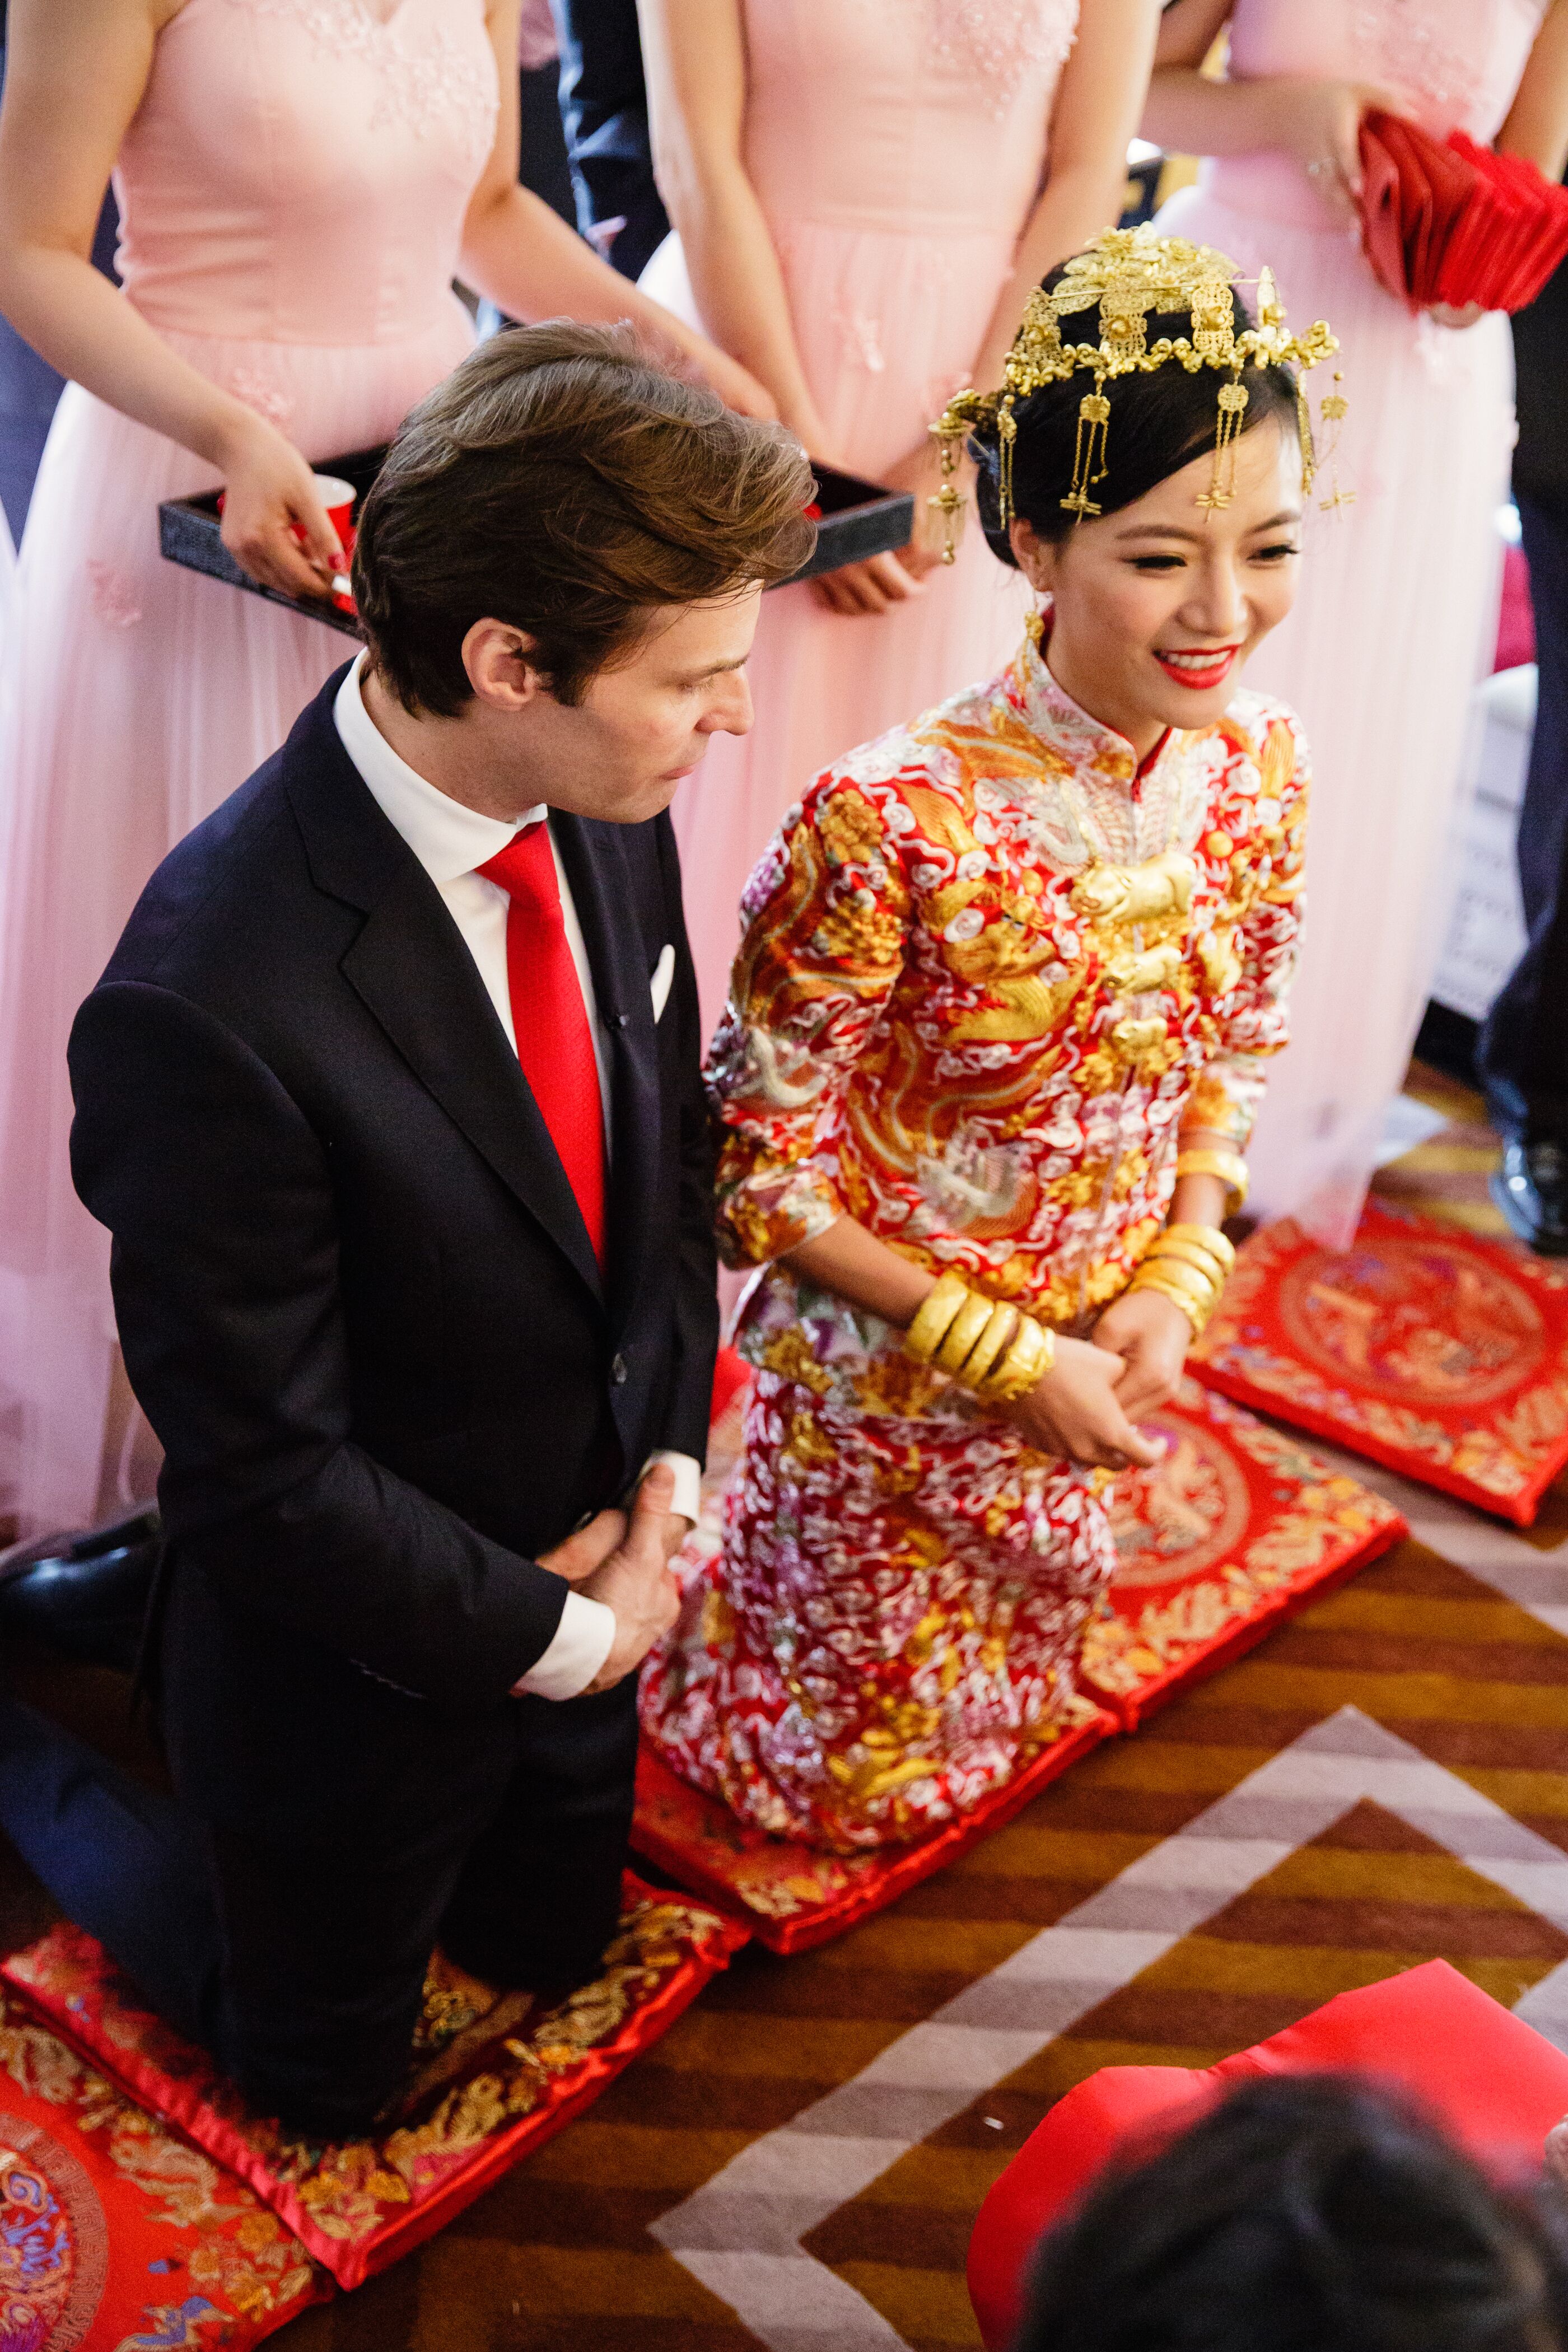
x: 1050, y: 713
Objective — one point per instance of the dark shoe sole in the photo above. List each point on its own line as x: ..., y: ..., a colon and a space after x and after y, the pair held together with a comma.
x: 1543, y: 1244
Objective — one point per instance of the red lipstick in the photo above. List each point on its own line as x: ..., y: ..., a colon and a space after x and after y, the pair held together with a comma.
x: 1202, y: 668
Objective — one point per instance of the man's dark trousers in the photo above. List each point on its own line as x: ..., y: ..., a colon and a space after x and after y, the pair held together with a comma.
x: 1523, y: 1052
x: 603, y: 102
x: 359, y: 1306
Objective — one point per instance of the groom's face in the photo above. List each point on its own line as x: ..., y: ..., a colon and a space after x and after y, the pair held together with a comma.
x: 644, y: 724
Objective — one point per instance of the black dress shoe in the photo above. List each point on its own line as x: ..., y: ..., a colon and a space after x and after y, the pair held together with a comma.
x: 83, y: 1593
x: 1531, y: 1188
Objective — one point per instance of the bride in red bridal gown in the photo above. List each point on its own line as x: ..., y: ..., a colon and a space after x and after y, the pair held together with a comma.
x: 299, y: 183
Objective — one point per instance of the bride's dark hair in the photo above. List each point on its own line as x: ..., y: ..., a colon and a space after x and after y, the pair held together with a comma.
x: 1159, y: 423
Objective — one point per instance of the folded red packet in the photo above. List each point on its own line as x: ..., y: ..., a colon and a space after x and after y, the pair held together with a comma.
x: 1448, y: 221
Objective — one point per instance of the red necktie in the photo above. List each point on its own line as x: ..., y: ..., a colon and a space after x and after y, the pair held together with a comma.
x: 550, y: 1020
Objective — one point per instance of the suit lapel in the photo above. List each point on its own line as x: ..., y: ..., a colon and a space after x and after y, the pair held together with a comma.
x: 594, y: 858
x: 410, y: 967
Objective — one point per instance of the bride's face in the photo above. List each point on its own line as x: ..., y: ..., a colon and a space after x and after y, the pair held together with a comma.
x: 1157, y: 607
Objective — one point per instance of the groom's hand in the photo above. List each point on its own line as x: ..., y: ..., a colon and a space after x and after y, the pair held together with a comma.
x: 635, y: 1580
x: 588, y: 1548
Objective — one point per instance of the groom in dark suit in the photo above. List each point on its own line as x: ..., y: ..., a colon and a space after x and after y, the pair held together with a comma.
x: 390, y: 1100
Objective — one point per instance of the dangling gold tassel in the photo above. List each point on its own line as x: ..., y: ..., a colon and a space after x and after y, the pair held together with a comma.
x: 949, y: 502
x: 1091, y: 445
x: 1333, y: 408
x: 1234, y: 398
x: 1006, y: 433
x: 1308, y: 448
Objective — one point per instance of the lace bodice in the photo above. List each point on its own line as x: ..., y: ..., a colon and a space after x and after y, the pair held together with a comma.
x: 298, y: 170
x: 1456, y: 63
x: 921, y: 115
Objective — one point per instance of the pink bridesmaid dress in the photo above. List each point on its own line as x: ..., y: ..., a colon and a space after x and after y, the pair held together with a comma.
x: 1398, y: 602
x: 896, y: 147
x: 292, y: 190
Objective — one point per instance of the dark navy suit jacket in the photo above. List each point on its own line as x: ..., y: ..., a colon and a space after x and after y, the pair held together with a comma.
x: 355, y: 1296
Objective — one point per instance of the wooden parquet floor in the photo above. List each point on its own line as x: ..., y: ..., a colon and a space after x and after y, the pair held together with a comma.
x: 1452, y: 1650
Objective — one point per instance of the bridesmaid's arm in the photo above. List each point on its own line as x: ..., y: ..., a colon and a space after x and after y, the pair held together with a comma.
x: 524, y: 256
x: 1537, y: 124
x: 1189, y: 112
x: 1095, y: 116
x: 695, y: 59
x: 75, y: 74
x: 695, y: 55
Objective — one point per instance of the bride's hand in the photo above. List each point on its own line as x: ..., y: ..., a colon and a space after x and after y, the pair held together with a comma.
x: 1074, y: 1410
x: 268, y: 488
x: 1151, y: 1335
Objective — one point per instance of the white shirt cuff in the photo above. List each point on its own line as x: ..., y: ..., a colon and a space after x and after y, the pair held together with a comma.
x: 687, y: 1500
x: 580, y: 1646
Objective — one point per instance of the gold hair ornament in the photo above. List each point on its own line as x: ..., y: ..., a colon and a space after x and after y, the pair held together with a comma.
x: 1130, y: 273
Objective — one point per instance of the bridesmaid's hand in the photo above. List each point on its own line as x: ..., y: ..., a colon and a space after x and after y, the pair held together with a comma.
x: 1446, y: 315
x: 267, y: 489
x: 1151, y: 1336
x: 874, y: 586
x: 1075, y: 1410
x: 1319, y: 122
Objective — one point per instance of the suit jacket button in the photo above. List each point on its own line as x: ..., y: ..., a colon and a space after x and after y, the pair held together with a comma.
x: 619, y: 1372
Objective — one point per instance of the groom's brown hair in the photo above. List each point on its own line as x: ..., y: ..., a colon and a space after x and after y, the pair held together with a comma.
x: 560, y: 481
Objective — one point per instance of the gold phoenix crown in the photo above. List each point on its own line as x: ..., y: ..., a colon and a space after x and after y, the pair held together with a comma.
x: 1130, y: 272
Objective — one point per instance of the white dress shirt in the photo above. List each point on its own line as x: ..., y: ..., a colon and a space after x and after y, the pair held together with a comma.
x: 450, y: 840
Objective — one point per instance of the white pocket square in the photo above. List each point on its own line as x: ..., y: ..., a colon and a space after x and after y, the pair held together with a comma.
x: 663, y: 980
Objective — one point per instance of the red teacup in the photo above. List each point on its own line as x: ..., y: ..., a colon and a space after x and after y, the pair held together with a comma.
x: 338, y: 497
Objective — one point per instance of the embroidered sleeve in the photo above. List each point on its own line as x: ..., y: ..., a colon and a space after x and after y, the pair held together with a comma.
x: 1258, y: 933
x: 824, y: 922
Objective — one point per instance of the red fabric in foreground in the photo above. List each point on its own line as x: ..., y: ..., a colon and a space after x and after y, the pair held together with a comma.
x: 791, y: 1897
x: 1239, y: 1528
x: 116, y: 2231
x: 1439, y: 1352
x: 493, y: 2081
x: 1492, y: 2081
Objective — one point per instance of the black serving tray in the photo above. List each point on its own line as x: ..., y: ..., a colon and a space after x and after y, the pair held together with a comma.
x: 859, y: 520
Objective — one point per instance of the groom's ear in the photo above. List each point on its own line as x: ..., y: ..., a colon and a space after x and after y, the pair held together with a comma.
x: 498, y: 660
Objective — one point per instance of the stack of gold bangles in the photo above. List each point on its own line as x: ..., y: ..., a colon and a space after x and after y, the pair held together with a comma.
x: 1189, y: 1265
x: 994, y: 1351
x: 1229, y: 1166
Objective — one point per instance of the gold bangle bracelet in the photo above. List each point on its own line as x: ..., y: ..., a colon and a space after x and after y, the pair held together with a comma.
x: 1149, y: 1278
x: 991, y: 1347
x: 1166, y: 1252
x: 1206, y: 1237
x: 961, y: 1334
x: 1030, y: 1357
x: 930, y: 1324
x: 1229, y: 1166
x: 1201, y: 1288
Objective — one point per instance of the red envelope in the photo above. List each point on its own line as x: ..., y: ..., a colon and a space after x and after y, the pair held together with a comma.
x: 1450, y: 221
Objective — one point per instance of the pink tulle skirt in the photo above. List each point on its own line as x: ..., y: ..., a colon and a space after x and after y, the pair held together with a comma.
x: 1392, y: 629
x: 134, y: 696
